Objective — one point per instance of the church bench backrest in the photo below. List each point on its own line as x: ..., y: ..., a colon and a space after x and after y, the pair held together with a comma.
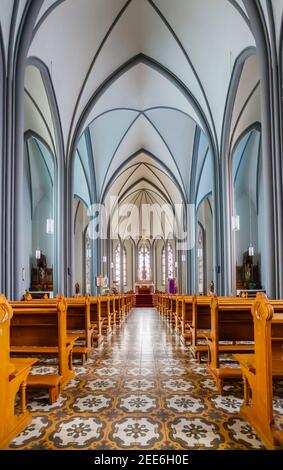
x: 104, y: 306
x: 78, y: 317
x: 200, y: 316
x: 44, y: 326
x: 35, y: 327
x: 188, y: 308
x: 78, y: 310
x: 231, y: 319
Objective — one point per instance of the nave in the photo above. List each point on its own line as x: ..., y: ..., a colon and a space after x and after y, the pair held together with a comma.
x: 140, y: 389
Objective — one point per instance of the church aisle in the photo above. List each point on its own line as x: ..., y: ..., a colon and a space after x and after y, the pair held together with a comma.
x: 139, y: 390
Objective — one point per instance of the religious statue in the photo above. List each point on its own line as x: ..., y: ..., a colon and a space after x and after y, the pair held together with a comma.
x: 77, y: 288
x: 211, y: 288
x: 41, y: 275
x: 248, y: 269
x: 41, y: 266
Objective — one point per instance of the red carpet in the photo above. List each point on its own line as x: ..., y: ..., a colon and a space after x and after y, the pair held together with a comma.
x: 144, y: 301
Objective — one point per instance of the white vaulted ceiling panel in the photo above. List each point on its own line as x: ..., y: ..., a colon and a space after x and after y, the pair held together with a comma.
x: 140, y: 30
x: 34, y: 122
x: 251, y: 114
x: 178, y: 131
x: 248, y: 80
x: 77, y: 31
x: 106, y: 133
x: 142, y: 135
x: 35, y: 87
x: 141, y: 88
x: 220, y: 33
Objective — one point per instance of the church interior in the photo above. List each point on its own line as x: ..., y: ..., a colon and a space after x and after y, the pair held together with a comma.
x: 141, y: 267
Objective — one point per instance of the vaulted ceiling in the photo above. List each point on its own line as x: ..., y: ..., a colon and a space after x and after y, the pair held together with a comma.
x: 147, y: 80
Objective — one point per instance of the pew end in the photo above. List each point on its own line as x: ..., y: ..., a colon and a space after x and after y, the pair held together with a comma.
x: 261, y: 368
x: 13, y: 377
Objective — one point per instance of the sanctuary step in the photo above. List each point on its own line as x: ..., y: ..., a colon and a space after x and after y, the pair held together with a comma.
x: 144, y: 300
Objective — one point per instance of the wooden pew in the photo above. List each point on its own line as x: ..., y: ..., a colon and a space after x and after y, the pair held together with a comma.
x: 43, y: 330
x: 119, y: 310
x: 231, y: 332
x: 78, y: 320
x: 172, y: 310
x: 187, y: 318
x: 159, y: 302
x: 112, y: 310
x: 13, y: 376
x: 106, y: 314
x: 96, y: 320
x: 201, y: 324
x: 260, y: 368
x: 79, y: 323
x: 178, y: 314
x: 130, y: 301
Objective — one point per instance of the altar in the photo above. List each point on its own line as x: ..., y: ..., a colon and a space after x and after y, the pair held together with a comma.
x: 144, y: 287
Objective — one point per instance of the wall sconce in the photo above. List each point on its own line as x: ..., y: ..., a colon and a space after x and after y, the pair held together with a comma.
x: 37, y: 254
x: 251, y: 250
x: 104, y: 259
x: 235, y: 222
x: 176, y: 264
x: 111, y: 265
x: 50, y: 226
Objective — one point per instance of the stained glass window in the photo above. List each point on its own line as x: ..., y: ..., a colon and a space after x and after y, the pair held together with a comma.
x: 144, y: 262
x: 163, y: 267
x: 170, y: 261
x: 200, y: 261
x: 118, y: 265
x: 124, y: 267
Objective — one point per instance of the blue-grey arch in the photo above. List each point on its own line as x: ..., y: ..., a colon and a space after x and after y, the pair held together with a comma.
x: 124, y: 68
x: 184, y: 51
x: 137, y: 166
x: 231, y: 97
x: 206, y: 196
x: 32, y: 134
x: 42, y: 117
x: 271, y: 158
x: 16, y: 146
x: 253, y: 127
x: 130, y: 158
x: 2, y: 152
x: 59, y: 180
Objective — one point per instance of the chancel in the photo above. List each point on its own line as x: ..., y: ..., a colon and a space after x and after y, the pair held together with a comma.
x: 141, y: 272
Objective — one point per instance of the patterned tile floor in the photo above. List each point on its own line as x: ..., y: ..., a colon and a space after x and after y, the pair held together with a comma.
x: 140, y: 390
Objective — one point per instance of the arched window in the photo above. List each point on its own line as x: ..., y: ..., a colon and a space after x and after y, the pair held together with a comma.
x: 200, y: 260
x: 87, y: 247
x: 144, y: 270
x: 118, y: 265
x: 163, y: 267
x: 124, y: 267
x: 170, y: 261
